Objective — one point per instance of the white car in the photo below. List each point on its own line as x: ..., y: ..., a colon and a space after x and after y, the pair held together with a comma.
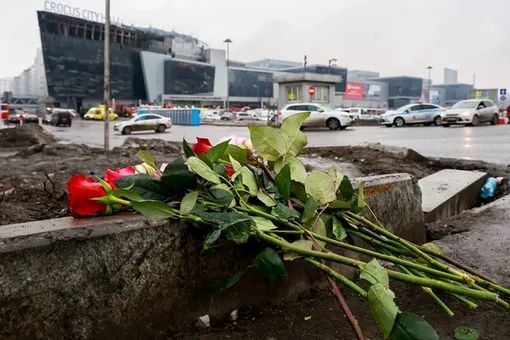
x: 471, y: 112
x: 211, y: 115
x: 320, y: 116
x: 144, y: 122
x: 416, y: 113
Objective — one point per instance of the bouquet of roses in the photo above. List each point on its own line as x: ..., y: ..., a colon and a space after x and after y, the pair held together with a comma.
x: 240, y: 189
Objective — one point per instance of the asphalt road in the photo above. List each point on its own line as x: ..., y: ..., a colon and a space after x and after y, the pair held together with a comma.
x: 486, y: 142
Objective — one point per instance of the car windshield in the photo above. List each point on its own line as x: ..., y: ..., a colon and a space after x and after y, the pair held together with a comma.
x: 405, y: 107
x: 465, y: 105
x: 91, y: 111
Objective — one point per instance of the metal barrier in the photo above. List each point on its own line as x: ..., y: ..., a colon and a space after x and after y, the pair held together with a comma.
x: 178, y: 116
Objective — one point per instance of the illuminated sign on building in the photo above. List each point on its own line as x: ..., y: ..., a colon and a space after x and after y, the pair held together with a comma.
x: 58, y: 8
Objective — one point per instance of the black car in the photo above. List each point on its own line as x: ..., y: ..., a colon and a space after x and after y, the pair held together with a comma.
x: 61, y: 118
x: 13, y: 118
x: 31, y: 119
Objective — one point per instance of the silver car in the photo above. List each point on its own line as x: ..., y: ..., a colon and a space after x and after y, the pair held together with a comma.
x: 144, y: 122
x: 471, y: 112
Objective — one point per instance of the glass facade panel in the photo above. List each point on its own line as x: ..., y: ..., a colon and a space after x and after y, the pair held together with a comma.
x: 457, y: 92
x: 74, y: 67
x: 293, y: 93
x: 337, y: 71
x: 188, y: 78
x: 244, y: 83
x: 403, y: 86
x: 321, y: 94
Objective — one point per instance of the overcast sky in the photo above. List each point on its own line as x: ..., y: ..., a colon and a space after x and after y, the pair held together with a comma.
x: 393, y: 37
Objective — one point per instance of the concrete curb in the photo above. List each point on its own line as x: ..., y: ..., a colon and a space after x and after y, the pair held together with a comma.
x: 125, y: 277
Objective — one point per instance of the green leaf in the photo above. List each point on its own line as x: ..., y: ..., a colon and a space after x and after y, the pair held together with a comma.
x: 188, y: 202
x: 338, y: 229
x: 297, y: 169
x: 268, y: 200
x: 217, y: 151
x: 177, y: 179
x: 268, y: 142
x: 294, y: 138
x: 188, y: 151
x: 433, y: 247
x: 361, y: 195
x: 147, y: 157
x: 263, y: 223
x: 249, y: 180
x: 411, y: 327
x: 282, y: 182
x: 310, y: 210
x: 298, y: 190
x: 346, y: 189
x: 143, y: 185
x: 301, y: 244
x: 200, y: 168
x: 212, y: 237
x: 238, y: 232
x: 383, y: 308
x: 231, y: 281
x: 235, y: 164
x: 285, y: 213
x: 317, y: 226
x: 153, y: 209
x: 321, y: 187
x: 220, y: 169
x: 374, y: 273
x: 464, y: 333
x: 339, y: 204
x: 129, y: 194
x: 270, y: 264
x: 336, y: 176
x: 238, y: 153
x: 222, y: 193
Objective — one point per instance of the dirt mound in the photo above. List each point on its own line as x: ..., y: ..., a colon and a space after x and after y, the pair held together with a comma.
x: 133, y: 144
x: 26, y: 135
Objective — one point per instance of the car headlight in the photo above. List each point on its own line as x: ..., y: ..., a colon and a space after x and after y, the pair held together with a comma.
x: 467, y: 113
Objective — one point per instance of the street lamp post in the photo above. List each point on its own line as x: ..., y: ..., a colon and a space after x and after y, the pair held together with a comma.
x: 334, y: 60
x: 228, y: 42
x: 430, y: 70
x: 107, y: 77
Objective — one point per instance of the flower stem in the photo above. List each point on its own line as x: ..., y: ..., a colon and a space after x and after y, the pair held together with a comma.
x: 481, y: 295
x: 337, y: 276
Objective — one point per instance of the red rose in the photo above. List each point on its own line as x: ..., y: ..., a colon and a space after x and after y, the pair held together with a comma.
x: 202, y: 146
x: 111, y: 176
x: 81, y: 191
x: 230, y: 171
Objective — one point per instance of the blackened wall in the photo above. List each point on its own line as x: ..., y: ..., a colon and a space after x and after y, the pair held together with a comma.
x: 75, y: 67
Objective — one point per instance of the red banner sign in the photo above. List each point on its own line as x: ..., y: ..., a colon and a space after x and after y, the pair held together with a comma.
x: 354, y: 91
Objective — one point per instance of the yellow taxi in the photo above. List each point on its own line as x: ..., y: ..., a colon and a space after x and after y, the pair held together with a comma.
x: 97, y: 113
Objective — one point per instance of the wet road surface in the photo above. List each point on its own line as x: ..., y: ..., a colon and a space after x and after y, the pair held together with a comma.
x: 486, y: 142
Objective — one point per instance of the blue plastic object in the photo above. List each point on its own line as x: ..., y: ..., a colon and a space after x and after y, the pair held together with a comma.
x: 178, y: 116
x: 489, y: 188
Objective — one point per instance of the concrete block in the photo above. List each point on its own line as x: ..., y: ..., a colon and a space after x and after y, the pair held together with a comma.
x: 449, y: 192
x: 125, y: 277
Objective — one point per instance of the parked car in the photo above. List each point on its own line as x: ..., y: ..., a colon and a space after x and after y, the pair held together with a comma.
x: 471, y: 112
x: 247, y: 115
x: 320, y: 116
x: 97, y: 113
x: 46, y: 120
x: 226, y: 115
x: 211, y: 115
x: 416, y: 113
x: 145, y: 122
x: 61, y: 118
x: 31, y: 119
x: 13, y: 117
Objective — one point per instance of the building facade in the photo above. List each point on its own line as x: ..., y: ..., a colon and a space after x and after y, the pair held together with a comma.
x: 449, y: 94
x: 402, y: 90
x: 450, y: 76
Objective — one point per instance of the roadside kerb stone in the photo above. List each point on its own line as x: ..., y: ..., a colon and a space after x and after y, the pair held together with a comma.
x: 449, y: 192
x: 125, y: 277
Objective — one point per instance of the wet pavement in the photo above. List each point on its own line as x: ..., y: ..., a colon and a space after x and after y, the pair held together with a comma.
x: 486, y: 142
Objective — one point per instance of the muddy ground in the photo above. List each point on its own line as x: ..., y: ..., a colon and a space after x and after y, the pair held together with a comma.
x: 34, y: 178
x: 327, y: 322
